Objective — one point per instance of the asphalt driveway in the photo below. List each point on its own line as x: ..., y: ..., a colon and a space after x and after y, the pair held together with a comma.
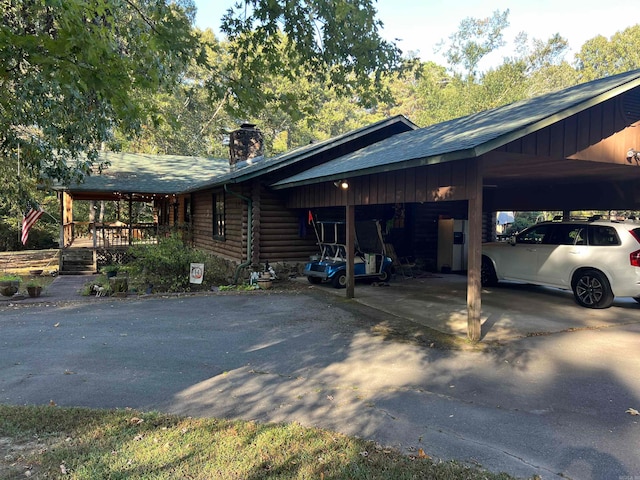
x: 553, y: 404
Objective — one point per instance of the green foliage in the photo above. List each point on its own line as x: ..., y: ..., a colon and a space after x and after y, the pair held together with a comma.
x: 301, y: 38
x: 600, y: 57
x: 475, y: 39
x: 166, y: 266
x: 70, y: 73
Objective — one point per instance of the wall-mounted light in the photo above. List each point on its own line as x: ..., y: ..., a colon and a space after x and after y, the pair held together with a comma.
x: 633, y: 155
x: 341, y: 184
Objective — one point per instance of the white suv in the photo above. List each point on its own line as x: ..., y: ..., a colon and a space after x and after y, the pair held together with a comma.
x: 597, y: 260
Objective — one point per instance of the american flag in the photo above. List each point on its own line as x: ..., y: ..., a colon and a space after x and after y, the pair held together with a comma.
x: 30, y: 218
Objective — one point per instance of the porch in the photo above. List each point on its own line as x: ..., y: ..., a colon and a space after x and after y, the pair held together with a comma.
x: 92, y: 245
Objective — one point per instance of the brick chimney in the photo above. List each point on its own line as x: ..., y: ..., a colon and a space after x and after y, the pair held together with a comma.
x: 245, y: 143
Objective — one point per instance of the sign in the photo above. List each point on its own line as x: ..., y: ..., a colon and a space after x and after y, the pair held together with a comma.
x: 196, y: 273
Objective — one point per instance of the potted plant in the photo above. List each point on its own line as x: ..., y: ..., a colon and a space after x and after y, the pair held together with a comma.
x: 110, y: 270
x: 34, y: 288
x: 9, y: 285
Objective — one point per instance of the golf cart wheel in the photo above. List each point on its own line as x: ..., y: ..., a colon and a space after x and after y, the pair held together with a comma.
x: 591, y: 289
x: 314, y: 280
x: 340, y: 280
x: 385, y: 276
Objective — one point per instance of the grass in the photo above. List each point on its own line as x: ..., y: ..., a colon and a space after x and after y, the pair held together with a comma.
x: 77, y: 443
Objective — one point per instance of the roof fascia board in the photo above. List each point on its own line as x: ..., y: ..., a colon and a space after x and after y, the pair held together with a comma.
x: 416, y: 162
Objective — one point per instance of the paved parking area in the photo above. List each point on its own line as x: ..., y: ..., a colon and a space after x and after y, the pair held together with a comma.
x: 554, y: 405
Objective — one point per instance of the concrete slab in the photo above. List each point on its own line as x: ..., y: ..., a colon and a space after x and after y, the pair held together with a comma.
x: 509, y: 311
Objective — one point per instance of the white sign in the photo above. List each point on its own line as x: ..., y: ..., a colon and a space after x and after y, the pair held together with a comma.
x: 196, y: 273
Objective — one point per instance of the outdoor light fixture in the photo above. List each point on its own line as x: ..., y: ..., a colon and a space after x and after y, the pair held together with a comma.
x: 633, y: 155
x: 342, y: 184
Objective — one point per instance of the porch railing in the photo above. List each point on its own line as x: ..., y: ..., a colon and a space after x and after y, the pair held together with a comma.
x: 112, y: 235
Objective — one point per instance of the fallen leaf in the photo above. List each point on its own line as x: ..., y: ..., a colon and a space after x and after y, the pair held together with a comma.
x: 52, y: 403
x: 57, y: 324
x: 632, y: 411
x: 421, y: 454
x: 136, y: 421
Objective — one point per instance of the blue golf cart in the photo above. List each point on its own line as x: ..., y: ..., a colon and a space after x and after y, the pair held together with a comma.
x: 370, y: 260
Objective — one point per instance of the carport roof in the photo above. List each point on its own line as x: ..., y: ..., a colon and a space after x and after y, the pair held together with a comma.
x: 470, y: 136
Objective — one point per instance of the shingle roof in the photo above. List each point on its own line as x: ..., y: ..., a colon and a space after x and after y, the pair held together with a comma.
x: 141, y: 173
x: 268, y: 165
x: 469, y: 136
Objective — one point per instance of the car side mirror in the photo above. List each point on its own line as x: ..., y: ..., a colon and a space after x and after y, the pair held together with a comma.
x: 512, y: 240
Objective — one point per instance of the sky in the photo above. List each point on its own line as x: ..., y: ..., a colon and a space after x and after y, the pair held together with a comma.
x: 422, y: 24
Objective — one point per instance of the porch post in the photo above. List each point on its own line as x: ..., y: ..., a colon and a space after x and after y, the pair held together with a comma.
x: 130, y: 219
x: 350, y: 234
x: 474, y: 283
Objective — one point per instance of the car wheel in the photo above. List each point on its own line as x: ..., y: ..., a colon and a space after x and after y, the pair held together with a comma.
x: 314, y: 280
x: 340, y: 280
x: 488, y: 276
x: 385, y: 276
x: 591, y: 289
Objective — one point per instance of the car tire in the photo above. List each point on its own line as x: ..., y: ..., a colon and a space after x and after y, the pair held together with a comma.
x: 339, y: 280
x: 591, y: 289
x: 314, y: 280
x: 488, y: 276
x: 385, y: 276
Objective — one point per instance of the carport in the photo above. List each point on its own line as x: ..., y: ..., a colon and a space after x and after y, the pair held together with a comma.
x: 575, y: 149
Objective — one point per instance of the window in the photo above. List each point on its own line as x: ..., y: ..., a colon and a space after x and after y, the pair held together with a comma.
x: 534, y: 235
x: 218, y: 216
x: 601, y: 235
x: 187, y: 210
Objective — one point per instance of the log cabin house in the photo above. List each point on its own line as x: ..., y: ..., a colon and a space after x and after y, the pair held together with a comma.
x: 575, y: 149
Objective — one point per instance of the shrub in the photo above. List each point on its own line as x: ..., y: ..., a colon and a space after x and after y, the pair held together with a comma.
x: 166, y: 265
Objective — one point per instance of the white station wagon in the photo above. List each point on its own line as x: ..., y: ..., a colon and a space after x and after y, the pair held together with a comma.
x: 597, y: 260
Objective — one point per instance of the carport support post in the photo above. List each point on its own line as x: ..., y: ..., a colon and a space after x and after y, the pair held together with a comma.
x: 350, y: 234
x: 474, y: 285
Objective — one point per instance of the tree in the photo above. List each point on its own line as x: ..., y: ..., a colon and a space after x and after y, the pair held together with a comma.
x: 600, y: 57
x: 474, y: 40
x: 339, y: 39
x: 71, y: 73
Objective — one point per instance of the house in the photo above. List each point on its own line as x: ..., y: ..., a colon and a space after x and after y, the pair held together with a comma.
x: 575, y: 149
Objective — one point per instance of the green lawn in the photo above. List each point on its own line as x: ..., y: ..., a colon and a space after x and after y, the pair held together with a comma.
x: 74, y: 443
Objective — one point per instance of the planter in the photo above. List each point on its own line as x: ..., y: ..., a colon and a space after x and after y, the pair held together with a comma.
x: 264, y: 283
x: 9, y: 287
x: 8, y: 290
x: 34, y: 291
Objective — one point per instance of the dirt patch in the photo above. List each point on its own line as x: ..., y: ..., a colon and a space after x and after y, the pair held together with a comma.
x: 16, y: 458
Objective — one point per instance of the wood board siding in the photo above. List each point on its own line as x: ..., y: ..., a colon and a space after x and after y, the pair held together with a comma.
x: 433, y: 183
x: 602, y: 133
